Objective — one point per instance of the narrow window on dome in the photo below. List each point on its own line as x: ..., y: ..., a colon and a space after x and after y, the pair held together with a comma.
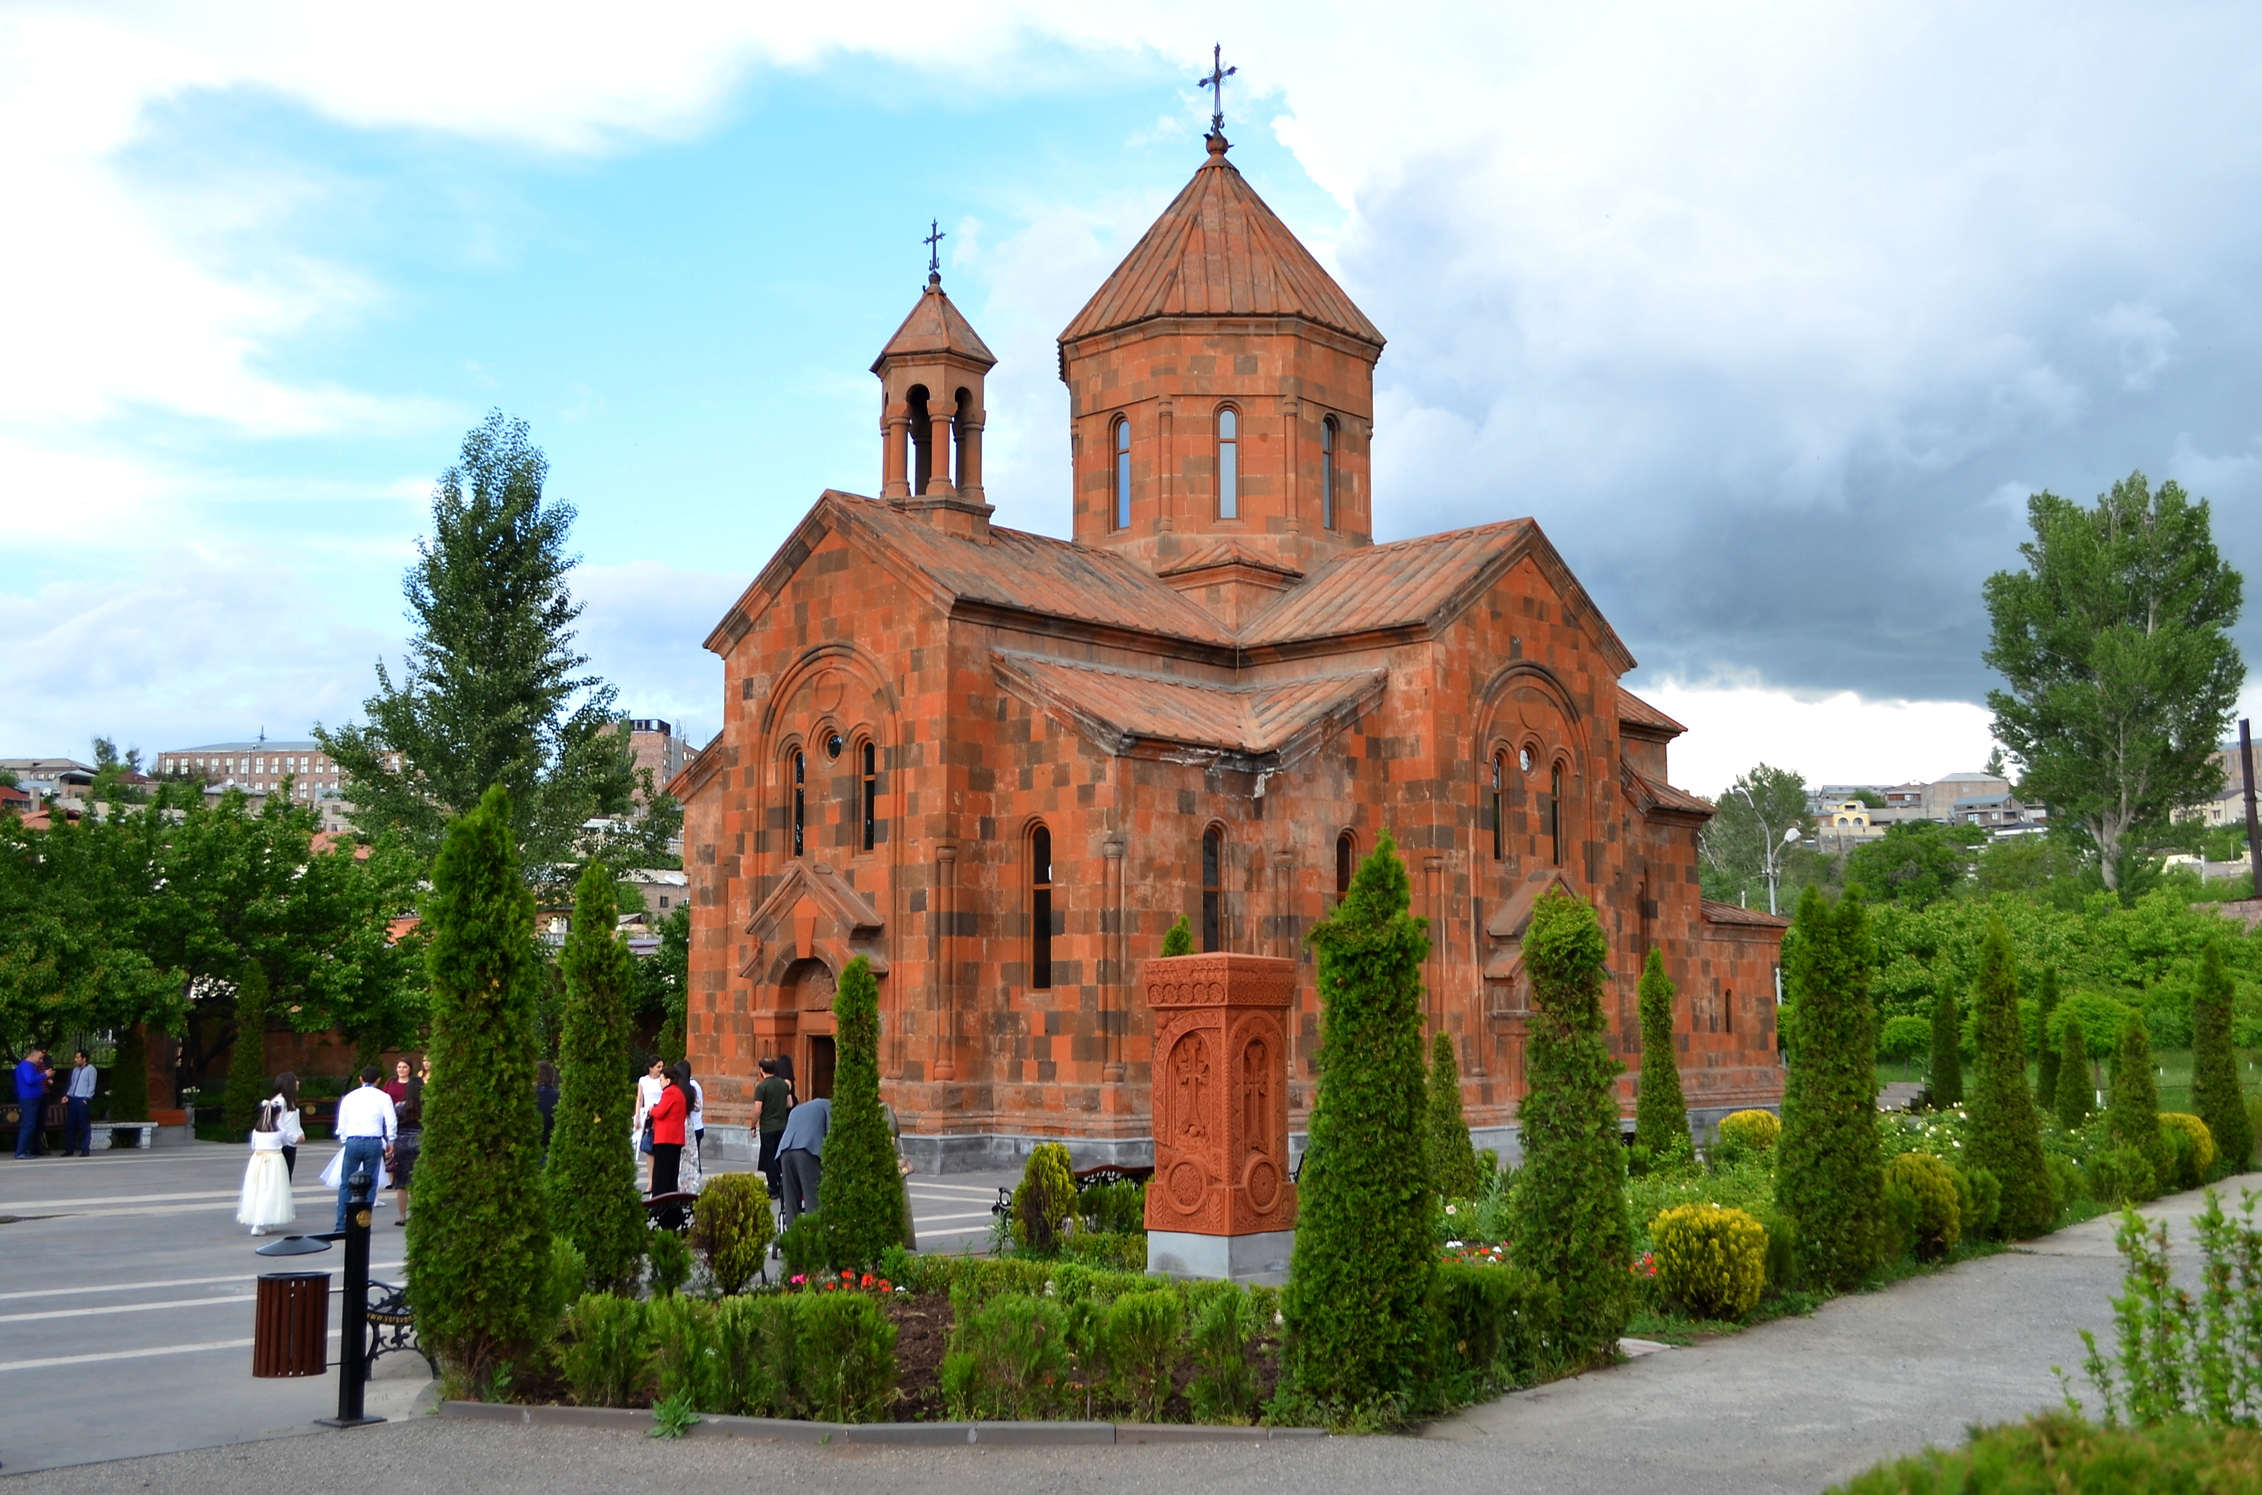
x: 1122, y: 473
x: 1346, y: 853
x: 1555, y: 813
x: 1213, y: 888
x: 871, y: 791
x: 1228, y: 465
x: 1327, y: 473
x: 1040, y: 909
x: 800, y: 798
x: 1499, y: 807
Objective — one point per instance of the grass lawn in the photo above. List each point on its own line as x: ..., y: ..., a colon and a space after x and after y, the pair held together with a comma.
x: 2174, y: 1065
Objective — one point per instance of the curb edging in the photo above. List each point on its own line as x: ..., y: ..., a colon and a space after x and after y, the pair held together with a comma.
x: 882, y: 1434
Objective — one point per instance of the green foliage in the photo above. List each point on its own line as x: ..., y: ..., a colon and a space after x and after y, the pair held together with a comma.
x: 2006, y: 1135
x: 2215, y: 1092
x: 1121, y: 1251
x: 1044, y: 1200
x: 2047, y: 1055
x: 1916, y: 862
x: 861, y: 1194
x: 1945, y: 1075
x: 1712, y: 1262
x: 1572, y: 1227
x: 1144, y: 1348
x: 1747, y: 827
x: 2191, y: 1147
x: 1904, y: 1038
x: 2115, y: 644
x: 1755, y: 1133
x: 1925, y: 1205
x: 2055, y: 1453
x: 1009, y: 1359
x: 609, y: 1356
x: 844, y: 1357
x: 669, y: 1263
x: 480, y: 1235
x: 731, y: 1227
x: 1226, y: 1329
x: 1829, y: 1169
x: 2101, y: 1020
x: 2132, y: 1099
x: 2076, y: 1095
x: 1179, y: 939
x: 129, y: 1077
x: 683, y: 1336
x: 1497, y: 1327
x: 1979, y: 1195
x: 247, y: 1067
x: 1452, y: 1156
x: 1661, y: 1118
x: 2122, y: 1175
x: 804, y: 1247
x: 2178, y: 1354
x: 562, y: 1280
x: 1357, y: 1301
x: 672, y: 1416
x: 1119, y: 1208
x: 591, y: 1173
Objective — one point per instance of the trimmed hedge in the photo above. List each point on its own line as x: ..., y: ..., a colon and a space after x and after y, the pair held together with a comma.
x: 731, y: 1227
x: 1045, y: 1199
x: 1752, y: 1131
x: 1925, y: 1201
x: 2132, y: 1100
x: 1945, y: 1076
x: 2057, y: 1452
x: 1710, y: 1261
x: 2047, y: 1059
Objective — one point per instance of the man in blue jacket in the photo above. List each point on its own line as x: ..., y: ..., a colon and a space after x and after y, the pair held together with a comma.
x: 31, y: 1094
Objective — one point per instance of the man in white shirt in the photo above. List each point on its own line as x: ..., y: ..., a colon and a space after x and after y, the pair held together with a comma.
x: 367, y: 1126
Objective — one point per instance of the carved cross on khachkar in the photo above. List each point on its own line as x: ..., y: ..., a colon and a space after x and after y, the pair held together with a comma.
x: 1192, y: 1063
x: 933, y: 241
x: 1256, y: 1094
x: 1215, y: 83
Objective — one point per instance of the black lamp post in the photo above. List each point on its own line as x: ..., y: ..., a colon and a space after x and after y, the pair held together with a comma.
x: 353, y: 1332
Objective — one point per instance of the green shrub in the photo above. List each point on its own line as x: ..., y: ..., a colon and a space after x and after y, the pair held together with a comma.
x: 1452, y: 1156
x: 861, y: 1193
x: 247, y: 1062
x: 2066, y: 1174
x: 1122, y: 1251
x: 1782, y: 1249
x: 2201, y: 1141
x: 1756, y: 1132
x: 563, y: 1281
x: 731, y: 1227
x: 1008, y: 1358
x: 2215, y: 1092
x: 1572, y: 1224
x: 479, y: 1240
x: 1119, y: 1208
x: 1829, y: 1167
x: 1661, y: 1117
x: 2048, y: 1057
x: 751, y: 1362
x: 1945, y: 1076
x: 2122, y: 1176
x: 2076, y: 1096
x: 670, y: 1263
x: 1921, y: 1192
x: 2183, y: 1160
x: 1179, y: 939
x: 1499, y: 1326
x: 1358, y: 1301
x: 2005, y: 1134
x: 682, y: 1332
x: 2055, y: 1453
x: 804, y: 1248
x: 1979, y: 1197
x: 129, y: 1076
x: 591, y: 1173
x: 609, y: 1357
x: 1144, y: 1347
x: 1044, y: 1199
x: 1711, y: 1262
x: 2132, y: 1100
x: 1226, y: 1329
x: 2179, y: 1354
x: 1904, y: 1037
x: 844, y: 1356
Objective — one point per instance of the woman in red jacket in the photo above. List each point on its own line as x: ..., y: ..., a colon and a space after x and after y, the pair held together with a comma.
x: 667, y: 1118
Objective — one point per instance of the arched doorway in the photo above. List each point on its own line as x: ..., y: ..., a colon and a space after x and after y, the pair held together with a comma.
x: 808, y: 990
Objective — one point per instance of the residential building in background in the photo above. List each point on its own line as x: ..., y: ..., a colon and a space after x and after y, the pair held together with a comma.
x: 48, y: 778
x: 259, y: 767
x: 2228, y: 807
x: 658, y: 748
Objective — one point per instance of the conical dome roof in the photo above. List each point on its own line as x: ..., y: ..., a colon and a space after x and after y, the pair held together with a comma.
x: 935, y: 326
x: 1218, y: 251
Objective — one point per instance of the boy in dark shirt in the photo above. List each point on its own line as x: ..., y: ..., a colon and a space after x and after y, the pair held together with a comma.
x: 773, y: 1098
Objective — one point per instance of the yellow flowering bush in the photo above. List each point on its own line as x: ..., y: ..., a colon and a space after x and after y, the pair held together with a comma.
x: 1756, y: 1131
x: 2202, y: 1143
x: 1711, y: 1261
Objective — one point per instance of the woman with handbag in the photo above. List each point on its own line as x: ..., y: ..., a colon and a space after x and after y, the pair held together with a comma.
x: 648, y: 1090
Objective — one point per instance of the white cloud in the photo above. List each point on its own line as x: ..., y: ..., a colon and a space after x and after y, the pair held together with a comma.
x: 1836, y: 739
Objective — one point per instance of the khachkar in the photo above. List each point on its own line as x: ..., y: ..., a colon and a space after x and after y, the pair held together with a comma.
x: 1221, y: 1203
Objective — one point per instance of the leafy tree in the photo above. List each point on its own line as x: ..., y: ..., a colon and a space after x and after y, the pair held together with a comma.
x: 72, y: 959
x: 1946, y: 1075
x: 2132, y: 1097
x: 247, y: 1067
x: 479, y: 1241
x: 1573, y: 1228
x: 663, y: 982
x: 1178, y: 939
x: 1829, y: 1166
x: 2046, y: 1057
x: 1915, y: 862
x: 2075, y: 1093
x: 2115, y: 645
x: 2004, y: 1135
x: 2215, y: 1092
x: 491, y: 691
x: 129, y: 1076
x: 591, y: 1173
x: 111, y: 775
x: 1753, y: 813
x: 1661, y: 1117
x: 1357, y: 1302
x: 860, y: 1196
x: 1904, y: 1038
x: 1452, y: 1156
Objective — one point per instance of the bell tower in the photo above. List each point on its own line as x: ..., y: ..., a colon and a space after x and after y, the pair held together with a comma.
x: 931, y: 412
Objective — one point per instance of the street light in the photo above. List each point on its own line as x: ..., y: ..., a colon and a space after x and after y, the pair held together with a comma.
x: 1774, y: 848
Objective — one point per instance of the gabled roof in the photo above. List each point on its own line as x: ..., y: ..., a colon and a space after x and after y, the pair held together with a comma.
x: 1231, y: 552
x: 1658, y: 798
x: 1384, y: 586
x: 1121, y: 707
x: 1218, y: 251
x: 935, y: 327
x: 1716, y: 912
x: 1644, y: 718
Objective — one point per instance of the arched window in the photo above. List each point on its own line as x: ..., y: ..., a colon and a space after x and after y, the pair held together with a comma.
x: 1213, y: 888
x: 1346, y: 860
x: 1228, y: 464
x: 1499, y: 806
x: 1122, y: 473
x: 1327, y: 473
x: 1040, y: 909
x: 871, y: 792
x: 1727, y: 1009
x: 1555, y: 814
x: 800, y: 798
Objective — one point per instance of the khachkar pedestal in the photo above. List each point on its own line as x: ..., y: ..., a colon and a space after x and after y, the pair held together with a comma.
x: 1220, y: 1204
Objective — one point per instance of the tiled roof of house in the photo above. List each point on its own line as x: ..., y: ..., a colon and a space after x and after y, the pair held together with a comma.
x: 1716, y: 912
x: 1633, y: 711
x: 1256, y: 718
x: 1218, y: 251
x: 1383, y: 586
x: 935, y: 326
x: 1655, y: 794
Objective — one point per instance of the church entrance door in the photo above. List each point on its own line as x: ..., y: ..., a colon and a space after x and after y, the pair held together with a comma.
x: 820, y: 1066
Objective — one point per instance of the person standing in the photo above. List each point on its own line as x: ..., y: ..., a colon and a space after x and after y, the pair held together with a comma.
x: 773, y: 1099
x: 366, y: 1128
x: 287, y: 1120
x: 546, y: 1100
x: 801, y: 1154
x: 407, y: 1142
x: 648, y: 1092
x: 78, y: 1107
x: 695, y: 1165
x: 396, y: 1088
x: 669, y: 1113
x: 266, y: 1202
x: 31, y: 1093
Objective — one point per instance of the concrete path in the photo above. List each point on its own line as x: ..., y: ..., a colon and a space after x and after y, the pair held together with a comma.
x: 1790, y: 1407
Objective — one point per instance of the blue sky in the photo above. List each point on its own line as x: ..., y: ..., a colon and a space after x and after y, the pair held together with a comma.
x: 1773, y: 321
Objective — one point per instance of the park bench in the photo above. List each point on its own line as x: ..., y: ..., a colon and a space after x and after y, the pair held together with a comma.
x: 139, y: 1133
x: 1086, y: 1178
x: 392, y: 1327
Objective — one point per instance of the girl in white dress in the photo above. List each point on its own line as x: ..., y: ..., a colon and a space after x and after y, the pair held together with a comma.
x: 266, y: 1200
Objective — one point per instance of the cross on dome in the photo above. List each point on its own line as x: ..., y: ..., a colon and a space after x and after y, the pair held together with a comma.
x: 1215, y: 83
x: 933, y: 241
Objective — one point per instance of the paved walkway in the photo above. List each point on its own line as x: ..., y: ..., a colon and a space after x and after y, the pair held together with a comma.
x: 1791, y: 1406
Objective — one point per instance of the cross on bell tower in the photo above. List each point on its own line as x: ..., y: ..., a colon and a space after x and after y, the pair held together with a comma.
x: 1215, y: 83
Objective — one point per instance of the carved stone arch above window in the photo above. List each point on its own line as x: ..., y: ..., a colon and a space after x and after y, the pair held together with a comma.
x: 812, y: 914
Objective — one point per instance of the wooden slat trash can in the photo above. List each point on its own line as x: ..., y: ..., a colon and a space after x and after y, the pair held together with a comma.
x: 291, y: 1332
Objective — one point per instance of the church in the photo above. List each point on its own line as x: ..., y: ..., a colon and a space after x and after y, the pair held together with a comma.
x: 1001, y: 765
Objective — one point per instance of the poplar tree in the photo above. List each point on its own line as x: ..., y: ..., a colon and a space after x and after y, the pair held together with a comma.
x: 2046, y: 1058
x: 1829, y: 1165
x: 1452, y: 1155
x: 1573, y: 1228
x: 2005, y: 1136
x: 1947, y: 1077
x: 247, y: 1066
x: 2132, y: 1099
x: 479, y: 1239
x: 2215, y: 1091
x: 860, y: 1197
x: 1661, y: 1116
x: 591, y: 1174
x: 2076, y: 1096
x: 1357, y: 1303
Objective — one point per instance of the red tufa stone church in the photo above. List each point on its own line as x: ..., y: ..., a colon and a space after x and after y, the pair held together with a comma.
x: 1000, y: 765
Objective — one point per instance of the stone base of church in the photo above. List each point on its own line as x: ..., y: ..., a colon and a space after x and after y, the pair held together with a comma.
x: 989, y: 1152
x: 1260, y: 1258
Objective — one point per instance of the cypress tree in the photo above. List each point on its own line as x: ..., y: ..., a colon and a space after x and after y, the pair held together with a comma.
x: 479, y: 1240
x: 1661, y: 1117
x: 591, y: 1175
x: 2076, y: 1098
x: 2046, y: 1058
x: 247, y: 1066
x: 1947, y: 1075
x: 1573, y: 1228
x: 860, y: 1197
x: 1357, y: 1302
x: 1452, y: 1156
x: 129, y: 1077
x: 2132, y: 1098
x: 1178, y: 939
x: 2005, y: 1136
x: 1829, y: 1166
x: 2215, y: 1092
